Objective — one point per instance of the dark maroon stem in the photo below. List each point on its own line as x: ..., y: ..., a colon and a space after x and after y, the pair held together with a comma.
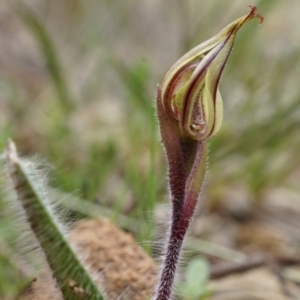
x: 178, y: 172
x: 172, y: 255
x: 184, y: 157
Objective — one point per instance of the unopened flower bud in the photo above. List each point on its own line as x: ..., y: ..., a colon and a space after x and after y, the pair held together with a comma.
x: 190, y: 90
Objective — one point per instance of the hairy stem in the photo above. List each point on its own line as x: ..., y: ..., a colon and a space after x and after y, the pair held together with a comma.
x: 183, y: 210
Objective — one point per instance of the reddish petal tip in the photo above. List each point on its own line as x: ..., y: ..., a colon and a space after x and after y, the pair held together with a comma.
x: 253, y: 10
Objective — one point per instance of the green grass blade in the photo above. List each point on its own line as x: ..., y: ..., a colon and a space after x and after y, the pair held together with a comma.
x: 50, y: 54
x: 67, y: 268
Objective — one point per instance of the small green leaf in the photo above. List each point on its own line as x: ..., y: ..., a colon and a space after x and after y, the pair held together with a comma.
x: 197, y: 274
x: 197, y: 271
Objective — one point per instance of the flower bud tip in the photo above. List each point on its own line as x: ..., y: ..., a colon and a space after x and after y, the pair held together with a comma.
x: 253, y: 9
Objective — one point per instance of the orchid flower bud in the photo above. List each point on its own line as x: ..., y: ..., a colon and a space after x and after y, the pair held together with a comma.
x: 190, y: 90
x: 190, y: 111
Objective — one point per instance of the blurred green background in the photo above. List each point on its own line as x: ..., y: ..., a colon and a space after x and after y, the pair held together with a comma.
x: 77, y: 88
